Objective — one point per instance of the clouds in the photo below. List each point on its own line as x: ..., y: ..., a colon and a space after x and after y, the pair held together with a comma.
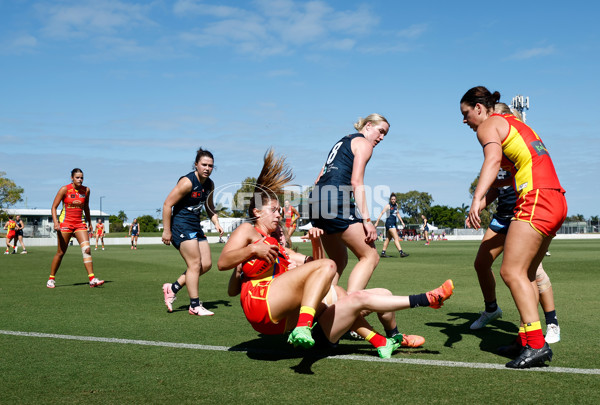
x: 262, y: 28
x: 82, y: 19
x: 533, y: 53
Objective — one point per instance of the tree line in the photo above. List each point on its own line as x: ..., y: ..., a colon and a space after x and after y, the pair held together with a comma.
x: 413, y: 204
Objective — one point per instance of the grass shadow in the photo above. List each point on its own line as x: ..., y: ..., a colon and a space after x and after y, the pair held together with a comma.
x: 494, y: 335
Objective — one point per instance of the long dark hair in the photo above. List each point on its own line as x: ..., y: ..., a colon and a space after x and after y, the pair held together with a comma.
x: 480, y: 95
x: 76, y: 170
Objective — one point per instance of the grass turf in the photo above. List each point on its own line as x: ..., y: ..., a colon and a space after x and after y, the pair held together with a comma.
x: 130, y: 306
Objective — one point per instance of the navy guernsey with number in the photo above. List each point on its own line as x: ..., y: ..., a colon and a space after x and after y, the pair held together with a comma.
x: 187, y: 211
x: 390, y: 222
x: 332, y: 201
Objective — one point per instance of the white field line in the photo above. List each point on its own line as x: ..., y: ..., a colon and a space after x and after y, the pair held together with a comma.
x: 440, y: 363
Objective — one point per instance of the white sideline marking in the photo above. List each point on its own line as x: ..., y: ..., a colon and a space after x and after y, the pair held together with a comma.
x: 440, y: 363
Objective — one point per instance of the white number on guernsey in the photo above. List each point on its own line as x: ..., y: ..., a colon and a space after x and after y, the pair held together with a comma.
x: 333, y: 152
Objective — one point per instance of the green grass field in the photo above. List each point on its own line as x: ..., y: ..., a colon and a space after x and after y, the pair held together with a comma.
x: 264, y: 369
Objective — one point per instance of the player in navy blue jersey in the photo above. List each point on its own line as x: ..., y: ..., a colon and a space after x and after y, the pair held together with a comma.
x: 391, y: 226
x: 338, y: 202
x: 181, y: 221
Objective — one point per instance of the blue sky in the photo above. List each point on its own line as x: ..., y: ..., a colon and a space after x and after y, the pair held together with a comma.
x: 129, y: 90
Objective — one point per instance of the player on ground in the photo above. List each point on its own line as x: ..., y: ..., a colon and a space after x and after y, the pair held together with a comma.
x: 541, y: 207
x: 75, y: 198
x: 282, y: 290
x: 181, y: 221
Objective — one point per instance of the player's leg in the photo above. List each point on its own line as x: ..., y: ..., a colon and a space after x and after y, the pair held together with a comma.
x: 84, y: 242
x: 394, y: 234
x: 386, y: 243
x: 524, y: 250
x: 336, y: 250
x: 368, y: 258
x: 490, y: 248
x: 190, y: 251
x: 302, y: 288
x: 62, y: 239
x: 544, y: 287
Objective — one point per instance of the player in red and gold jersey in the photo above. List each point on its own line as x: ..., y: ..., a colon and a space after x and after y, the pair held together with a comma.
x: 75, y: 198
x: 10, y: 226
x: 291, y: 216
x: 282, y: 290
x: 540, y: 211
x: 99, y: 233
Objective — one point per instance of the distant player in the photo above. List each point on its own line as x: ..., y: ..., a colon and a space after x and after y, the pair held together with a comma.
x: 19, y: 234
x: 134, y: 232
x: 99, y: 233
x: 75, y: 198
x: 391, y: 226
x: 291, y: 216
x: 10, y: 226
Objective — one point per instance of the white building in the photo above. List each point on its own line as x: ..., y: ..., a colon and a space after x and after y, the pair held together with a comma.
x: 38, y: 222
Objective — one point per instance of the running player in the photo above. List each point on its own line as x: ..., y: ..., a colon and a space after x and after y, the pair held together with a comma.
x: 134, y: 232
x: 10, y: 226
x: 291, y: 218
x: 99, y: 233
x: 75, y: 198
x: 282, y: 290
x: 391, y: 226
x: 541, y: 208
x: 338, y: 201
x: 181, y: 221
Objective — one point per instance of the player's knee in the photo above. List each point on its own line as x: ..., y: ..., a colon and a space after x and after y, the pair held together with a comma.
x: 360, y: 299
x: 542, y: 280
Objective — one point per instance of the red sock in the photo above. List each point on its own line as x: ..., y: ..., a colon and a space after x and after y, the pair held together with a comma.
x: 522, y: 338
x: 535, y: 336
x: 306, y: 317
x: 91, y: 276
x: 376, y: 339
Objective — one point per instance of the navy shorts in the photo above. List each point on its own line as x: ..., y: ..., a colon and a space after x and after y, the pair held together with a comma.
x: 331, y: 217
x: 499, y: 225
x: 183, y: 233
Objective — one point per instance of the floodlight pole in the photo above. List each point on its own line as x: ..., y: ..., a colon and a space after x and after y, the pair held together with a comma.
x: 520, y: 104
x: 101, y: 204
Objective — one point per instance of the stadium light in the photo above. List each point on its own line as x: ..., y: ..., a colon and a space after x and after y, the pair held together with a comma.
x: 520, y: 104
x: 101, y: 204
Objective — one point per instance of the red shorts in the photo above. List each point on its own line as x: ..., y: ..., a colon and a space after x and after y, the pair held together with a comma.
x: 73, y: 226
x: 10, y: 234
x: 256, y: 308
x: 544, y: 209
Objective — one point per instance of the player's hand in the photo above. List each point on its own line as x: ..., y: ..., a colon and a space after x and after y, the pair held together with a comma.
x: 220, y: 230
x: 370, y: 231
x: 313, y: 234
x: 265, y: 251
x: 473, y: 220
x: 166, y: 237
